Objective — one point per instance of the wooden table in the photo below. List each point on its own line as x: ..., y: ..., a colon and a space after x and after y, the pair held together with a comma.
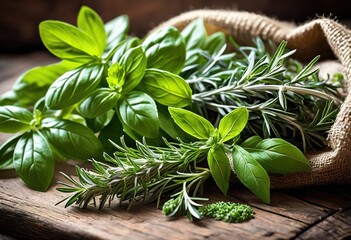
x: 322, y: 212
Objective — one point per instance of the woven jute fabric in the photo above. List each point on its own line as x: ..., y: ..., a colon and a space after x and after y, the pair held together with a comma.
x: 324, y: 37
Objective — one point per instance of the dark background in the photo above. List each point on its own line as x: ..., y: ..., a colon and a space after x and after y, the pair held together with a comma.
x: 19, y: 19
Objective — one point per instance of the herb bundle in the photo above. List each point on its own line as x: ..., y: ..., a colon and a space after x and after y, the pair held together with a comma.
x: 146, y: 173
x: 123, y: 96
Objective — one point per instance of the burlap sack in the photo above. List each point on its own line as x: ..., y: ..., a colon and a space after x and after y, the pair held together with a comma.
x: 323, y: 37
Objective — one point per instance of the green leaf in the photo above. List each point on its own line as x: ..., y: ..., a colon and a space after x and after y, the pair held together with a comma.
x: 91, y: 23
x: 219, y: 166
x: 10, y: 98
x: 166, y: 88
x: 98, y: 123
x: 34, y: 83
x: 33, y: 161
x: 279, y: 156
x: 251, y: 173
x: 6, y: 152
x: 165, y: 49
x: 68, y: 42
x: 251, y: 142
x: 233, y: 123
x: 116, y: 77
x: 116, y: 31
x: 138, y: 111
x: 192, y: 123
x: 72, y: 139
x: 194, y: 34
x: 74, y: 86
x: 169, y: 126
x: 282, y: 99
x: 134, y: 63
x: 124, y: 47
x: 97, y: 103
x: 14, y: 119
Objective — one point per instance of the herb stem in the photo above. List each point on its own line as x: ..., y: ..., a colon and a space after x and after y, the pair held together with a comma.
x: 300, y: 90
x: 263, y: 87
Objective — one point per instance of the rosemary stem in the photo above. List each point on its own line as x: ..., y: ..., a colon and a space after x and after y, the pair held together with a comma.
x: 301, y: 90
x: 263, y: 87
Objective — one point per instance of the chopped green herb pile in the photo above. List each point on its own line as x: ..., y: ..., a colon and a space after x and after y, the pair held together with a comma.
x: 228, y: 212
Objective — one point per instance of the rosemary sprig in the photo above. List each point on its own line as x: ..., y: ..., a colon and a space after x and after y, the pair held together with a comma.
x: 284, y: 98
x: 142, y: 174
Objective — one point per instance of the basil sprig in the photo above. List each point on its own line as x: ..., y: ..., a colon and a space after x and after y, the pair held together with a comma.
x: 251, y: 160
x: 39, y: 138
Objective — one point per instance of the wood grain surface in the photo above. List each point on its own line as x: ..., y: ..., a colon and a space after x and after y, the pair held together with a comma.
x: 322, y: 212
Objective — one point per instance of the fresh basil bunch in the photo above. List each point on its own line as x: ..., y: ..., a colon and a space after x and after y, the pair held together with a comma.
x: 39, y: 140
x: 103, y: 76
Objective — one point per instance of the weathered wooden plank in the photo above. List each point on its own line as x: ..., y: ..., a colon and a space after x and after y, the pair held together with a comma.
x: 38, y: 216
x: 286, y: 205
x: 336, y: 226
x: 334, y: 197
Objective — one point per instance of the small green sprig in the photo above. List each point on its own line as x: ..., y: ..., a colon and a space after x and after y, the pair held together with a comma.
x: 145, y: 173
x: 183, y: 205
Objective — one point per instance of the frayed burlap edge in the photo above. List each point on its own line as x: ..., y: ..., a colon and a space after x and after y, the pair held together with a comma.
x: 323, y: 37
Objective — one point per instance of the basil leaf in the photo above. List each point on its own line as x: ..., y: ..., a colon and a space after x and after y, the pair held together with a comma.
x: 134, y: 63
x: 116, y: 77
x: 14, y: 119
x: 129, y: 131
x: 251, y: 173
x: 68, y: 42
x: 278, y: 156
x: 194, y: 34
x: 251, y: 142
x: 90, y: 22
x: 72, y: 139
x: 6, y: 152
x: 233, y: 123
x: 219, y: 166
x: 98, y: 123
x: 74, y: 86
x: 124, y: 47
x: 34, y: 83
x: 165, y: 49
x: 116, y: 31
x: 97, y: 103
x: 10, y: 98
x: 192, y: 123
x: 33, y: 161
x: 138, y: 111
x: 169, y: 126
x: 166, y: 88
